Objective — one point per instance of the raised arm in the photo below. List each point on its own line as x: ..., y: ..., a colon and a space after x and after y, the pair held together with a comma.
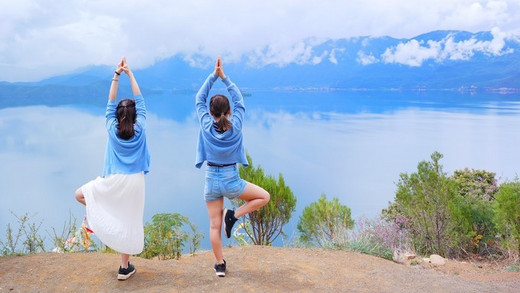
x: 112, y: 94
x: 140, y: 106
x: 201, y: 99
x: 110, y: 113
x: 133, y: 83
x: 236, y: 96
x: 239, y: 108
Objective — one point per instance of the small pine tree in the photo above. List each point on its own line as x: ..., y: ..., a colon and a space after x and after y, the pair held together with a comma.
x: 425, y: 199
x: 266, y: 224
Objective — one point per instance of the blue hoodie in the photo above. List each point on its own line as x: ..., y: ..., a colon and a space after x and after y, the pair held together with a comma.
x: 126, y: 156
x: 225, y: 147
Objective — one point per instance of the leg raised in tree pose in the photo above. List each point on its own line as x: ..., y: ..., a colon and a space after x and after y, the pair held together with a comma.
x: 221, y: 146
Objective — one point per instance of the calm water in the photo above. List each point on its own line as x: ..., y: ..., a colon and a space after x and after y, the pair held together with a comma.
x: 350, y: 145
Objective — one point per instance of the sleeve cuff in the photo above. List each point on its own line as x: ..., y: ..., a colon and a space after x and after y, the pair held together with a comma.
x: 112, y: 102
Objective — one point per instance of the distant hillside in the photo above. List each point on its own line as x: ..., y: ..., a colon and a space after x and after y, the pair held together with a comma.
x: 484, y: 61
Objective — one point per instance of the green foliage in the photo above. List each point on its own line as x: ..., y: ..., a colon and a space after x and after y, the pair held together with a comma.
x: 267, y: 223
x: 325, y: 222
x: 27, y: 236
x: 194, y: 238
x: 60, y: 240
x: 165, y: 239
x: 242, y: 238
x: 474, y: 213
x: 72, y: 239
x: 450, y: 216
x: 370, y: 248
x: 513, y: 269
x: 507, y: 216
x: 477, y: 184
x: 426, y: 198
x: 475, y: 230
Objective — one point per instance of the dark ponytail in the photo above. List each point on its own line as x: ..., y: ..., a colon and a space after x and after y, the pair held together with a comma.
x: 219, y: 107
x: 126, y: 116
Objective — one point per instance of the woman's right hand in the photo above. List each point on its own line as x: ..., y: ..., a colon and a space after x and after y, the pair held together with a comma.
x: 124, y: 66
x: 218, y: 69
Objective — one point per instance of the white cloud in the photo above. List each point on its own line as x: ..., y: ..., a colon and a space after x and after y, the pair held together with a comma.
x: 411, y: 53
x: 332, y: 56
x: 44, y: 38
x: 299, y: 53
x: 365, y: 59
x: 414, y: 53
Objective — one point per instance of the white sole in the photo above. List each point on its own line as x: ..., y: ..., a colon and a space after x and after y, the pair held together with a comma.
x: 220, y: 274
x: 224, y: 221
x: 125, y: 277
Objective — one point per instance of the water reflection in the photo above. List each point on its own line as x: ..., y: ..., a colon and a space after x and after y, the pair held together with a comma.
x: 355, y: 155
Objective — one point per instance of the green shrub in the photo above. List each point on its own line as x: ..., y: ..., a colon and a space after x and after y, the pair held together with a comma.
x: 513, y: 269
x: 370, y: 248
x: 474, y: 230
x: 426, y: 199
x: 474, y: 213
x: 451, y: 216
x: 25, y: 240
x: 165, y: 238
x: 325, y: 223
x: 507, y: 216
x: 478, y: 184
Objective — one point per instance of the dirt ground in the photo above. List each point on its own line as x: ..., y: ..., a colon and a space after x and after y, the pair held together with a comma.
x: 250, y: 269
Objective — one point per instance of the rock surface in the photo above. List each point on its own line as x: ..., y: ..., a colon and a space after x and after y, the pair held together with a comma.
x: 437, y: 260
x: 250, y: 269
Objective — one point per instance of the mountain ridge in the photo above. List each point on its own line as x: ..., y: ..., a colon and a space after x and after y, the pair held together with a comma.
x: 443, y: 59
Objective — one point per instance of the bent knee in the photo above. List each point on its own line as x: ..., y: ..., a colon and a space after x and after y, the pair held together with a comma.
x: 266, y: 197
x: 79, y: 195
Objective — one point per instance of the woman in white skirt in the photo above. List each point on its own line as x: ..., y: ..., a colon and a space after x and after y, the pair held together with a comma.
x: 115, y: 201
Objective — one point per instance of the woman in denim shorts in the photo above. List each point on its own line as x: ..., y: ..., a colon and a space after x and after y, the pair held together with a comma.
x: 220, y: 144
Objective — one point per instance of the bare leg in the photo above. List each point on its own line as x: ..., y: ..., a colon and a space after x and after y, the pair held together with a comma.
x: 255, y: 197
x: 79, y: 196
x: 215, y: 226
x: 124, y: 260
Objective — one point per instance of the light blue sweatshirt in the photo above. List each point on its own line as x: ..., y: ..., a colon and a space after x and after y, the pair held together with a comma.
x: 226, y: 147
x: 126, y: 156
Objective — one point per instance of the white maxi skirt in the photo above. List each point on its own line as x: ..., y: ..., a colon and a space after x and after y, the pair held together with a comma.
x: 115, y: 206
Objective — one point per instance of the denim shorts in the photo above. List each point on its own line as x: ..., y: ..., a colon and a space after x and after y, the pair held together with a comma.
x: 223, y: 181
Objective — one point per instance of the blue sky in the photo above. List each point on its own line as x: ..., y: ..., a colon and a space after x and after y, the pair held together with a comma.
x: 41, y: 38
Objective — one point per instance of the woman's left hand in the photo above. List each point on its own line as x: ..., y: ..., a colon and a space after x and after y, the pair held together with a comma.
x: 120, y: 65
x: 218, y: 68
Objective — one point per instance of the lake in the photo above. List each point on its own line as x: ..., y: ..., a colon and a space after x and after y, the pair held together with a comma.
x: 347, y: 144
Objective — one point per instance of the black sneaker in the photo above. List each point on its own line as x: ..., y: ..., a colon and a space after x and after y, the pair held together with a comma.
x: 229, y: 220
x: 126, y: 273
x: 220, y: 269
